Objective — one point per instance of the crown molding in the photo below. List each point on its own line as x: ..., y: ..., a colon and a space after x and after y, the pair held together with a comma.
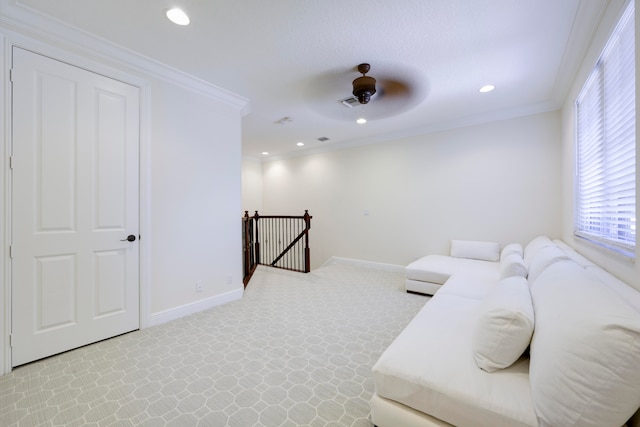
x: 463, y: 122
x: 24, y: 21
x: 582, y: 29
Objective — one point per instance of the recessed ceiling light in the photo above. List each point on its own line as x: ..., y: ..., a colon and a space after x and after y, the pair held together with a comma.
x: 300, y: 144
x: 265, y: 153
x: 361, y: 121
x: 177, y: 16
x: 486, y: 88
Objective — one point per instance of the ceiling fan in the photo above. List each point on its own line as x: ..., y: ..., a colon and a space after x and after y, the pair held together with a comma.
x: 393, y: 85
x: 396, y: 88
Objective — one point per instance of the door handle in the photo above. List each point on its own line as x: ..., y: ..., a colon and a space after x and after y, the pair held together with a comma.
x: 130, y: 238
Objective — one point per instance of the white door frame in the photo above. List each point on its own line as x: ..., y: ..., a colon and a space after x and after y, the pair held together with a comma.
x: 8, y: 39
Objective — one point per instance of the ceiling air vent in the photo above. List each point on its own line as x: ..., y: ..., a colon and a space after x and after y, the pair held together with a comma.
x: 323, y: 139
x: 350, y: 102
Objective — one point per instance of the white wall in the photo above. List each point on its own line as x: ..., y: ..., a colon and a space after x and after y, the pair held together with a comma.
x: 497, y: 181
x: 195, y: 198
x: 623, y: 268
x: 251, y: 185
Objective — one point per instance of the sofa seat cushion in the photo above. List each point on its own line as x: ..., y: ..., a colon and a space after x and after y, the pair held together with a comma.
x: 475, y: 288
x: 473, y: 279
x: 430, y: 367
x: 438, y: 269
x: 431, y: 268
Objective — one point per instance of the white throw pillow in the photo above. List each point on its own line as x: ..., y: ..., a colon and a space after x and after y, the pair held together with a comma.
x: 486, y: 251
x: 511, y: 248
x: 585, y: 351
x: 505, y: 325
x: 512, y: 265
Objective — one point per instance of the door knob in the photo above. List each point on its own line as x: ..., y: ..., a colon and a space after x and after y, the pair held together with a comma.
x: 130, y: 238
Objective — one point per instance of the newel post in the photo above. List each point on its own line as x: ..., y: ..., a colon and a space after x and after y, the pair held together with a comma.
x: 247, y: 243
x: 307, y: 252
x: 257, y: 243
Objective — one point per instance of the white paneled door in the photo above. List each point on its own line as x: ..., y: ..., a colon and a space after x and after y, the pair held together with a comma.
x: 75, y: 163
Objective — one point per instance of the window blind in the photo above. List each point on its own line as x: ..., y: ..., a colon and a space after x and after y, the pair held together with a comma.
x: 605, y: 202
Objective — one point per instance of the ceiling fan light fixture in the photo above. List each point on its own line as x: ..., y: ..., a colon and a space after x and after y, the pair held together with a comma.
x: 364, y: 87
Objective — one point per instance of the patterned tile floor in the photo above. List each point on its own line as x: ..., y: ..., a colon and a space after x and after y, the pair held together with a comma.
x: 297, y: 350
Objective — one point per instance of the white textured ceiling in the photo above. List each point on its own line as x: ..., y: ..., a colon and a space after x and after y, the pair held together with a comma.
x: 297, y: 58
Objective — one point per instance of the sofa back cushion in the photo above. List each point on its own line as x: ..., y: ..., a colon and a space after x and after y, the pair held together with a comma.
x: 534, y: 246
x: 504, y: 326
x: 630, y: 295
x: 542, y: 259
x: 512, y: 265
x: 585, y: 350
x: 485, y: 251
x: 510, y: 249
x: 575, y: 256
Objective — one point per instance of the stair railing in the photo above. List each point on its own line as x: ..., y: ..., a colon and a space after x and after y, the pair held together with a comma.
x: 277, y: 241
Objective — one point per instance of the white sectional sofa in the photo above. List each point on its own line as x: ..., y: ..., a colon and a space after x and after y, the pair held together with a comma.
x: 541, y: 338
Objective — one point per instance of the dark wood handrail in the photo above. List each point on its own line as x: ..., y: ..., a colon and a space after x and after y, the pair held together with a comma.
x: 267, y: 242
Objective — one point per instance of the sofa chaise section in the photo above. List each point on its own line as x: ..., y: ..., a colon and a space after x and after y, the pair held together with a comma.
x: 430, y: 367
x: 426, y: 275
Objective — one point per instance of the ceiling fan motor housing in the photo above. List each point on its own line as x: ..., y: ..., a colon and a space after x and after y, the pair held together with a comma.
x: 364, y: 87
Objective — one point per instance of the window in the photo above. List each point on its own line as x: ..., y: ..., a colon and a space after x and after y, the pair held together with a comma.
x: 605, y: 202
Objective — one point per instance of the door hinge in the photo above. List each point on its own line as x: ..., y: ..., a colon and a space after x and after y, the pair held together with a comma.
x: 10, y: 340
x: 11, y: 74
x: 10, y: 251
x: 10, y: 162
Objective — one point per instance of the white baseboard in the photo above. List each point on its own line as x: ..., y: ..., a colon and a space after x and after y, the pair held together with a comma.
x: 194, y: 307
x: 369, y: 264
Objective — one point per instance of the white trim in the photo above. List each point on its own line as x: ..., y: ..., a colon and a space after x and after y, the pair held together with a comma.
x: 194, y: 307
x: 144, y: 207
x: 463, y: 122
x: 609, y: 252
x: 368, y: 264
x: 572, y: 56
x: 5, y: 217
